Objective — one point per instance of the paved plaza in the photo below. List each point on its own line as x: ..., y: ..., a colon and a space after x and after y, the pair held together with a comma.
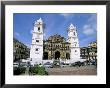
x: 84, y: 70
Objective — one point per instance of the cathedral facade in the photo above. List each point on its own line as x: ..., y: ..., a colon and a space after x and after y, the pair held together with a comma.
x: 55, y: 47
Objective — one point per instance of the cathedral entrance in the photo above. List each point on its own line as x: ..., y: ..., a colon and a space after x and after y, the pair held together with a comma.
x: 57, y: 55
x: 67, y: 56
x: 45, y: 56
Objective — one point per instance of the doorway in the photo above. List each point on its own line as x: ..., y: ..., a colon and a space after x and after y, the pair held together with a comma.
x: 45, y: 56
x: 57, y: 55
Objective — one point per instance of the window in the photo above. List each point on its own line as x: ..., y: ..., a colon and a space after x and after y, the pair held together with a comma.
x: 74, y: 33
x: 38, y: 28
x: 36, y: 49
x: 37, y: 40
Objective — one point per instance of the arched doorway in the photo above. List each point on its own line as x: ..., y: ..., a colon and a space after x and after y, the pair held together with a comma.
x: 45, y: 56
x: 67, y: 56
x: 57, y: 55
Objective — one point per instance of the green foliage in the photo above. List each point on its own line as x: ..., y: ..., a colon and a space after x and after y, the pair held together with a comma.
x: 21, y: 51
x: 42, y: 71
x: 36, y: 70
x: 19, y: 70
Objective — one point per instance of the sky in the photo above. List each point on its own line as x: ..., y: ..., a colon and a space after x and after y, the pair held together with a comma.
x: 56, y: 23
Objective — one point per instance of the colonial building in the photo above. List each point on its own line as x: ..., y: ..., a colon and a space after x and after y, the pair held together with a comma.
x: 55, y: 47
x: 89, y: 52
x: 20, y: 50
x: 92, y: 50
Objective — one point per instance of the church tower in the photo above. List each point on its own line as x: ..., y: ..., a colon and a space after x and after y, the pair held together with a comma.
x: 36, y: 51
x: 74, y: 44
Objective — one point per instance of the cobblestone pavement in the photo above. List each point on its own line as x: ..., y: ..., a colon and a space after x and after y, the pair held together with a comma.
x: 84, y: 70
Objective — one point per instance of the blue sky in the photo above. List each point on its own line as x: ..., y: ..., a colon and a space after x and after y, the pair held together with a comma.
x: 86, y: 25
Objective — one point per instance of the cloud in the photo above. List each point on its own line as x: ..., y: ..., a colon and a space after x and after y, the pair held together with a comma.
x: 88, y: 30
x: 87, y: 40
x: 93, y: 21
x: 44, y: 35
x: 16, y: 34
x: 28, y: 45
x: 92, y: 18
x: 66, y: 15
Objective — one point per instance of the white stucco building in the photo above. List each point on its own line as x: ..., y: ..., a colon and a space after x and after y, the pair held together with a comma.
x: 36, y: 51
x: 74, y: 44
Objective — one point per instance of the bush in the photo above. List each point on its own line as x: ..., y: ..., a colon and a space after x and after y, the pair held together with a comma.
x: 36, y: 70
x: 42, y: 71
x: 19, y: 70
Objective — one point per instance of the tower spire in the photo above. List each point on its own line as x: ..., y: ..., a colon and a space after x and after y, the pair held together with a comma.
x: 36, y: 52
x: 40, y: 20
x: 72, y: 26
x: 74, y: 44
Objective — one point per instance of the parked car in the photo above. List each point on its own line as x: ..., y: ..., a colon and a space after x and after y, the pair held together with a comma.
x: 78, y: 63
x: 62, y: 64
x: 16, y: 64
x: 56, y: 63
x: 40, y: 65
x: 73, y: 64
x: 48, y: 65
x: 24, y: 64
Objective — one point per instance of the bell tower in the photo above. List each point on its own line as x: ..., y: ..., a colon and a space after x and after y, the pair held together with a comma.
x: 36, y: 51
x: 74, y: 44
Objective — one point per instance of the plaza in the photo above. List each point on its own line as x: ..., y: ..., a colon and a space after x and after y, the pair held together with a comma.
x: 84, y: 70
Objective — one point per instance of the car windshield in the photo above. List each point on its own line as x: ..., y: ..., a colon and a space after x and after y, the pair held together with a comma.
x: 62, y: 63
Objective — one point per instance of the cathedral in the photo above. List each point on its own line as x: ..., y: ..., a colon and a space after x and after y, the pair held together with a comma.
x: 55, y: 47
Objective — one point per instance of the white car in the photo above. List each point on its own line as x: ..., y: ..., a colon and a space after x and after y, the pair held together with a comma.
x: 15, y: 64
x: 48, y: 65
x: 62, y: 65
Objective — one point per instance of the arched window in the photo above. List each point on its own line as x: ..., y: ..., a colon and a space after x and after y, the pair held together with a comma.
x: 37, y: 40
x: 38, y: 28
x: 75, y: 50
x: 67, y: 56
x: 74, y: 33
x: 36, y: 49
